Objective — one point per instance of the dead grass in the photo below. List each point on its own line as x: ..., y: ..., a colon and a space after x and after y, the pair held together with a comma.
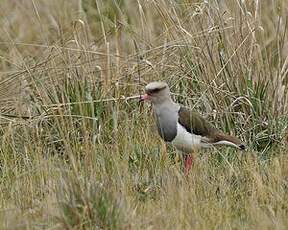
x: 78, y: 153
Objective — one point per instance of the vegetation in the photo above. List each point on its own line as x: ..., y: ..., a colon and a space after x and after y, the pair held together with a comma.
x: 78, y: 151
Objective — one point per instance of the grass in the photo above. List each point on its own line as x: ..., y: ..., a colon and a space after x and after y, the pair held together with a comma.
x: 79, y: 152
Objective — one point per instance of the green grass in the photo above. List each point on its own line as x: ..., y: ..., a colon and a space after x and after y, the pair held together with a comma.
x: 77, y: 153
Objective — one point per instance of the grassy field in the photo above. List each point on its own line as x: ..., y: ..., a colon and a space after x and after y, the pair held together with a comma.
x: 78, y: 151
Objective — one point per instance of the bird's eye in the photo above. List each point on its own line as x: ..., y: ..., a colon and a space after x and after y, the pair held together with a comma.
x: 152, y: 91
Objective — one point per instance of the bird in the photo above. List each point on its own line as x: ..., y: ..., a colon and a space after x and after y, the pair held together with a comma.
x: 182, y: 127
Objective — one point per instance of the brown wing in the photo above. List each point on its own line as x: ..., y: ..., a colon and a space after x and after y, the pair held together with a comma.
x: 194, y: 123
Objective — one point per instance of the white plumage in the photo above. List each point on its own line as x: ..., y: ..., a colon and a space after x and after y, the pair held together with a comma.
x: 185, y: 141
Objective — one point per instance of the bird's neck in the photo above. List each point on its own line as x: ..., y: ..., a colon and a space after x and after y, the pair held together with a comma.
x: 166, y: 106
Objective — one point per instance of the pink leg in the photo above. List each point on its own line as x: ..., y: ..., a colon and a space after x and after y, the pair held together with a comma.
x: 188, y: 162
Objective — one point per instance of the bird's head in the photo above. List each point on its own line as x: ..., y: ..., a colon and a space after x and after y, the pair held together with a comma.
x: 157, y: 92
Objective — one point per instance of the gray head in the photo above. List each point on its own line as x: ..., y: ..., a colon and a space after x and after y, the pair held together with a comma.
x: 157, y: 92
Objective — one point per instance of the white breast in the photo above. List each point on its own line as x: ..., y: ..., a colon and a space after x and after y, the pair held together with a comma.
x: 185, y: 141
